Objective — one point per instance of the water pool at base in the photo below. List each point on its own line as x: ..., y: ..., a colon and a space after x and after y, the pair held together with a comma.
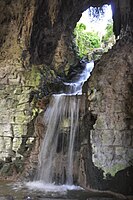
x: 34, y: 191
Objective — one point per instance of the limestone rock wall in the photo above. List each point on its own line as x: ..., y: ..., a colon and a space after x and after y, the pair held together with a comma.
x: 21, y: 82
x: 20, y: 94
x: 16, y: 113
x: 15, y: 83
x: 111, y: 96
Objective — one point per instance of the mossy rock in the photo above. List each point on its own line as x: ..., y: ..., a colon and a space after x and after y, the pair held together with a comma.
x: 7, y: 169
x: 1, y: 164
x: 19, y: 165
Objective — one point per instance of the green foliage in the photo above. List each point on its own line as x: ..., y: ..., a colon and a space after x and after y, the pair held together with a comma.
x: 109, y: 32
x: 89, y: 43
x: 85, y: 41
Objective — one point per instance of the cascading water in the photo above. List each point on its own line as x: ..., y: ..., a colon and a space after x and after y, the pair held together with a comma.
x: 62, y: 107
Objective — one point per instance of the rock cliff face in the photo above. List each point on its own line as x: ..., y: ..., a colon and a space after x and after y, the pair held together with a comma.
x: 37, y: 50
x: 110, y: 100
x: 110, y: 96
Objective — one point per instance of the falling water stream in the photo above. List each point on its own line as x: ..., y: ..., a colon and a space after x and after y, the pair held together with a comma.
x: 62, y: 106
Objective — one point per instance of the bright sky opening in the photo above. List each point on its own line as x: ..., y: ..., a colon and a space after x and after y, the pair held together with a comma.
x: 98, y: 25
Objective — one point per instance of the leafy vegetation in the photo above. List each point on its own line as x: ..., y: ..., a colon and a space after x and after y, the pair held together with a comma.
x: 85, y: 41
x: 88, y: 42
x: 109, y: 33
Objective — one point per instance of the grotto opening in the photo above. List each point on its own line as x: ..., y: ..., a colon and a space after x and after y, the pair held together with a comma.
x: 37, y: 50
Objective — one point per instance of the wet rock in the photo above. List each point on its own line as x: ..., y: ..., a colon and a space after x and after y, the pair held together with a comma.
x: 7, y: 169
x: 7, y: 197
x: 1, y: 164
x: 28, y: 198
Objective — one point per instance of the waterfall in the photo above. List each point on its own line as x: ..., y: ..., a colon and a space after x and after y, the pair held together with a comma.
x: 62, y: 107
x: 74, y: 116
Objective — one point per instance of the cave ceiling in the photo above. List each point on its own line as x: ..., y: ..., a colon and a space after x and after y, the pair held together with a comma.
x: 36, y: 26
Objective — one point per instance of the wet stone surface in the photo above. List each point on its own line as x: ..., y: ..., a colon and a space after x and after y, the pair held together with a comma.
x: 18, y: 191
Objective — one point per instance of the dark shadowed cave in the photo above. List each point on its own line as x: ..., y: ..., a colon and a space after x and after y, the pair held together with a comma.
x: 36, y: 53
